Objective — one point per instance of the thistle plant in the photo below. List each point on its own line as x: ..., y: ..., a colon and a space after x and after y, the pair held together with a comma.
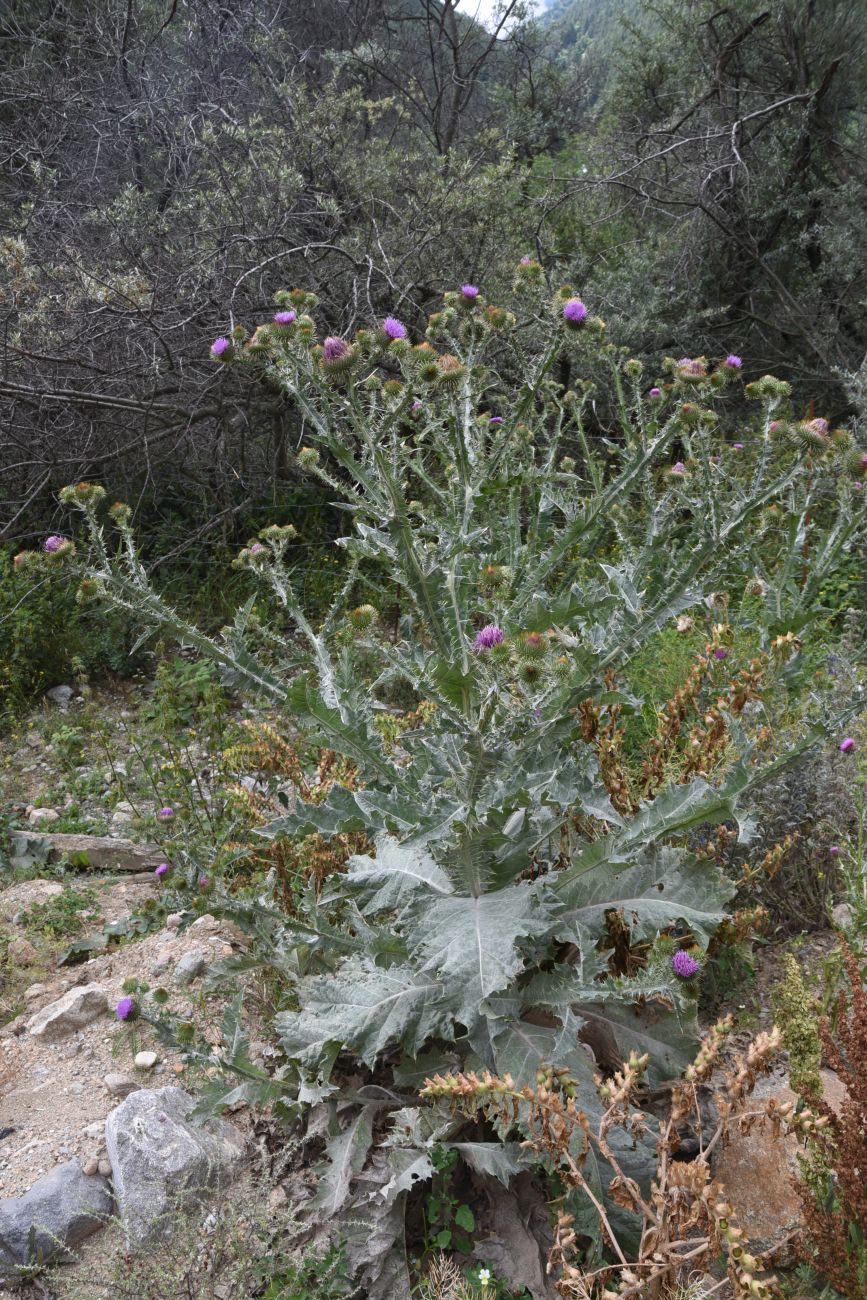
x: 530, y: 553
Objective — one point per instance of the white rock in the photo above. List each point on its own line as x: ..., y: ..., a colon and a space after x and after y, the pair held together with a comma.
x: 173, y: 920
x: 145, y: 1060
x: 842, y: 916
x: 75, y: 1009
x: 120, y: 1085
x: 43, y: 816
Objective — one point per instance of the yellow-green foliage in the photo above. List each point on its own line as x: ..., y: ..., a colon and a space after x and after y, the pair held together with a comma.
x: 796, y: 1014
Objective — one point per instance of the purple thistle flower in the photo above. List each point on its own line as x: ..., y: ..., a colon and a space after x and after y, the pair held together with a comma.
x: 203, y: 882
x: 285, y: 318
x: 161, y: 870
x: 415, y: 410
x: 678, y: 467
x: 219, y: 347
x: 574, y: 311
x: 166, y: 814
x: 489, y: 636
x: 495, y: 420
x: 257, y: 548
x: 335, y: 349
x: 720, y: 653
x: 526, y: 260
x: 737, y: 446
x: 53, y: 543
x: 393, y: 328
x: 834, y: 850
x: 125, y: 1008
x: 655, y: 392
x: 469, y: 291
x: 684, y: 966
x: 846, y: 746
x: 733, y: 362
x: 858, y: 485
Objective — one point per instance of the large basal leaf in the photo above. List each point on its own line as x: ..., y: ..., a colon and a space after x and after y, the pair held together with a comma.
x: 365, y: 1009
x: 345, y: 1156
x: 397, y: 872
x: 666, y: 886
x: 519, y: 1048
x: 667, y: 1035
x: 471, y: 944
x: 502, y: 1160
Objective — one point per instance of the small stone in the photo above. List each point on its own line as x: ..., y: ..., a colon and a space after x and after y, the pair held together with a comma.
x: 21, y: 952
x: 90, y: 1167
x: 75, y: 1009
x: 277, y: 1198
x: 104, y: 1167
x: 120, y: 1085
x: 33, y: 739
x: 34, y: 991
x: 95, y: 1130
x: 842, y: 916
x: 145, y: 1060
x: 60, y: 695
x: 173, y: 920
x: 43, y: 816
x: 190, y: 966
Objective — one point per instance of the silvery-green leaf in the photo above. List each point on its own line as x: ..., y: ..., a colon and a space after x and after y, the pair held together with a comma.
x: 502, y: 1160
x: 345, y: 1156
x: 396, y: 873
x: 363, y: 1008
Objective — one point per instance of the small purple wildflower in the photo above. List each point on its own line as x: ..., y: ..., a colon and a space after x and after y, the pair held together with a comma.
x: 684, y: 966
x: 737, y: 446
x: 678, y: 467
x: 655, y: 392
x: 161, y: 870
x: 125, y: 1008
x: 285, y: 318
x: 858, y: 485
x: 720, y: 653
x: 526, y: 260
x: 469, y: 291
x: 834, y: 850
x: 53, y: 543
x: 574, y: 311
x: 219, y: 347
x: 489, y: 636
x: 846, y: 746
x: 393, y: 328
x: 415, y: 410
x: 166, y: 814
x: 495, y: 420
x: 203, y: 882
x: 537, y: 713
x: 257, y: 548
x: 733, y: 362
x: 335, y: 349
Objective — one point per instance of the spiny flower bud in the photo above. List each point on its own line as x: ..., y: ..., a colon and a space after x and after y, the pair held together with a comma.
x: 280, y: 533
x: 61, y: 549
x: 567, y: 464
x: 856, y: 462
x: 121, y: 513
x: 362, y: 617
x: 81, y: 494
x: 768, y: 389
x: 392, y: 388
x: 495, y: 576
x: 89, y: 590
x: 338, y: 356
x: 531, y: 645
x: 451, y: 371
x: 691, y: 370
x: 307, y: 457
x: 633, y: 368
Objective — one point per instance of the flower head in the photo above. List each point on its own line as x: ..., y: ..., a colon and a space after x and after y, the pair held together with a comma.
x: 574, y: 311
x: 53, y: 543
x: 678, y: 468
x: 166, y: 814
x: 737, y: 446
x: 485, y: 1276
x: 125, y: 1008
x: 393, y: 328
x: 335, y: 349
x: 257, y: 548
x: 219, y: 347
x: 489, y: 636
x: 285, y: 318
x: 655, y: 392
x: 846, y: 746
x: 684, y: 965
x: 834, y: 850
x: 495, y: 420
x: 161, y: 870
x: 469, y: 291
x: 526, y: 260
x: 204, y: 882
x: 733, y: 362
x: 720, y: 653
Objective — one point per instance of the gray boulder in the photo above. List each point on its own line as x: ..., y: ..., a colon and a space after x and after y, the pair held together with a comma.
x: 190, y: 966
x: 59, y: 1211
x: 93, y: 852
x: 160, y: 1158
x: 71, y: 1012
